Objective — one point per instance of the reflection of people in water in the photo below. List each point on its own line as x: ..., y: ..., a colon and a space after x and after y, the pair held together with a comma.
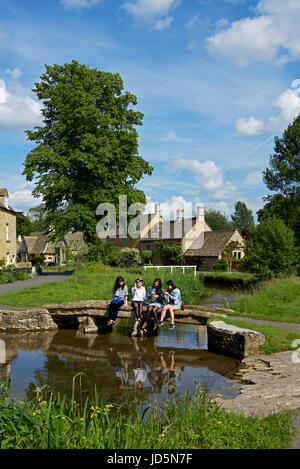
x: 155, y: 375
x: 171, y: 373
x: 120, y: 369
x: 139, y: 363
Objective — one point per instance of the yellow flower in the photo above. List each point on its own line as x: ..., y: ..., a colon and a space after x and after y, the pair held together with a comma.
x: 162, y: 435
x: 219, y: 423
x: 109, y: 405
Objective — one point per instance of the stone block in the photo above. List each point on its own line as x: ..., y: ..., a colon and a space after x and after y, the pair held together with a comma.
x: 232, y: 340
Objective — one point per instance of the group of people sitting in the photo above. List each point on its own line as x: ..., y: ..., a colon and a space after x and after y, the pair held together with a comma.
x: 154, y: 299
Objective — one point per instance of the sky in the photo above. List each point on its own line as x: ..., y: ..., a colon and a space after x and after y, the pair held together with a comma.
x: 215, y: 79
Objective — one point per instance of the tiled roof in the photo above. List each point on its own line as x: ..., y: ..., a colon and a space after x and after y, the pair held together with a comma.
x: 213, y: 245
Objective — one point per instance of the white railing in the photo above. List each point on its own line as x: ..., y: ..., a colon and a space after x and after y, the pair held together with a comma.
x: 183, y: 267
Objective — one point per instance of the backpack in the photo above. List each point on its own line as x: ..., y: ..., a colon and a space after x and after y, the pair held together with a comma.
x: 182, y: 305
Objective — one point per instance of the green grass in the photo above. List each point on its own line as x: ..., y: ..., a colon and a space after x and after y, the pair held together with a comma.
x: 275, y: 300
x: 49, y: 422
x: 277, y: 339
x: 98, y: 286
x: 234, y: 279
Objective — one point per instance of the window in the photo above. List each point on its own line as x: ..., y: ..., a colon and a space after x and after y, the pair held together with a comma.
x: 7, y: 231
x: 125, y: 242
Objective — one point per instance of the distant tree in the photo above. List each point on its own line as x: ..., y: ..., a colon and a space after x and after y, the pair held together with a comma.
x: 217, y: 220
x: 272, y: 251
x: 283, y: 178
x: 23, y: 225
x: 86, y: 151
x: 242, y: 217
x: 37, y: 217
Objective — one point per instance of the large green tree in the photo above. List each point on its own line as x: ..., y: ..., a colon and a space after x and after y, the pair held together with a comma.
x: 271, y: 251
x: 217, y: 220
x: 242, y: 217
x: 283, y: 178
x: 86, y: 150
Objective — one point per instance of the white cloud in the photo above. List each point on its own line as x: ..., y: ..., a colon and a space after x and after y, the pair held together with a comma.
x: 171, y: 136
x: 288, y: 104
x: 271, y: 36
x: 77, y: 4
x: 254, y: 178
x: 209, y: 176
x: 22, y: 199
x: 168, y: 208
x: 155, y: 12
x: 14, y: 73
x: 17, y: 111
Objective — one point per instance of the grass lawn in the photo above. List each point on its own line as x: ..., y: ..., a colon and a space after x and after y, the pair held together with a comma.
x: 189, y: 423
x: 275, y: 300
x: 234, y: 279
x: 277, y: 339
x: 98, y: 286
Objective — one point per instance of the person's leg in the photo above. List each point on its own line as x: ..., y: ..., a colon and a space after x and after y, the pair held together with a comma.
x: 164, y: 312
x: 141, y: 304
x: 113, y: 310
x: 135, y: 308
x: 146, y: 316
x: 155, y: 309
x: 172, y: 315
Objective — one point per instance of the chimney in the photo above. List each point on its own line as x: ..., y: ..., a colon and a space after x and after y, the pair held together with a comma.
x: 157, y: 209
x: 200, y: 218
x: 4, y: 197
x: 180, y: 213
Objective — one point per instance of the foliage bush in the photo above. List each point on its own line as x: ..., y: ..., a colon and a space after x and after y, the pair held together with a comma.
x: 170, y: 253
x: 272, y: 251
x: 147, y: 255
x: 220, y: 266
x: 128, y: 257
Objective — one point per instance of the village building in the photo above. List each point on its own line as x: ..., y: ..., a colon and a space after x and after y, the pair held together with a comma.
x: 8, y: 244
x: 37, y: 247
x: 200, y: 245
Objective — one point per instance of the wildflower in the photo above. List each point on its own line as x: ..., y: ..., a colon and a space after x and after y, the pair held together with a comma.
x: 219, y: 423
x: 109, y: 405
x: 162, y: 435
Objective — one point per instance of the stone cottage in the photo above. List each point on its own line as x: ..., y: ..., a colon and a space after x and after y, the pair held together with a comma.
x: 8, y: 242
x: 200, y: 245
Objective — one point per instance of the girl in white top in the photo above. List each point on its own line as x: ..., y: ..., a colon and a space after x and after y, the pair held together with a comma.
x: 138, y: 298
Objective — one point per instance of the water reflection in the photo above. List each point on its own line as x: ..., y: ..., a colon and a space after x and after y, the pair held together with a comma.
x: 119, y: 366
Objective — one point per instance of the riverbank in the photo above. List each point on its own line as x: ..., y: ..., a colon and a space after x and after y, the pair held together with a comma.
x: 85, y: 285
x: 275, y: 300
x: 188, y: 423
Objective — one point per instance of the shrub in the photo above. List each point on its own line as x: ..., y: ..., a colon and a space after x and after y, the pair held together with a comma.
x: 128, y: 257
x: 170, y: 253
x: 94, y: 266
x: 147, y: 255
x: 220, y: 266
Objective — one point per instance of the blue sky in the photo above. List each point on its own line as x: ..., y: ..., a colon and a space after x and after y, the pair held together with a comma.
x: 215, y: 79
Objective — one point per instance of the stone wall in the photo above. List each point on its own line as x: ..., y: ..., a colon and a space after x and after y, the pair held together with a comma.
x: 30, y: 320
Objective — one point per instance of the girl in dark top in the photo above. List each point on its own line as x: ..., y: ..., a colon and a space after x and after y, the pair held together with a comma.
x: 156, y: 296
x: 119, y: 299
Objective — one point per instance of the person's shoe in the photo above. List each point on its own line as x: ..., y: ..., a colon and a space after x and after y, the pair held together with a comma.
x: 160, y: 323
x: 172, y: 325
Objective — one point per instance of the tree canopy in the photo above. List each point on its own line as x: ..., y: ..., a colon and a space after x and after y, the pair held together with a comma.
x: 242, y: 217
x: 272, y: 251
x: 217, y: 220
x: 283, y: 178
x: 86, y: 151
